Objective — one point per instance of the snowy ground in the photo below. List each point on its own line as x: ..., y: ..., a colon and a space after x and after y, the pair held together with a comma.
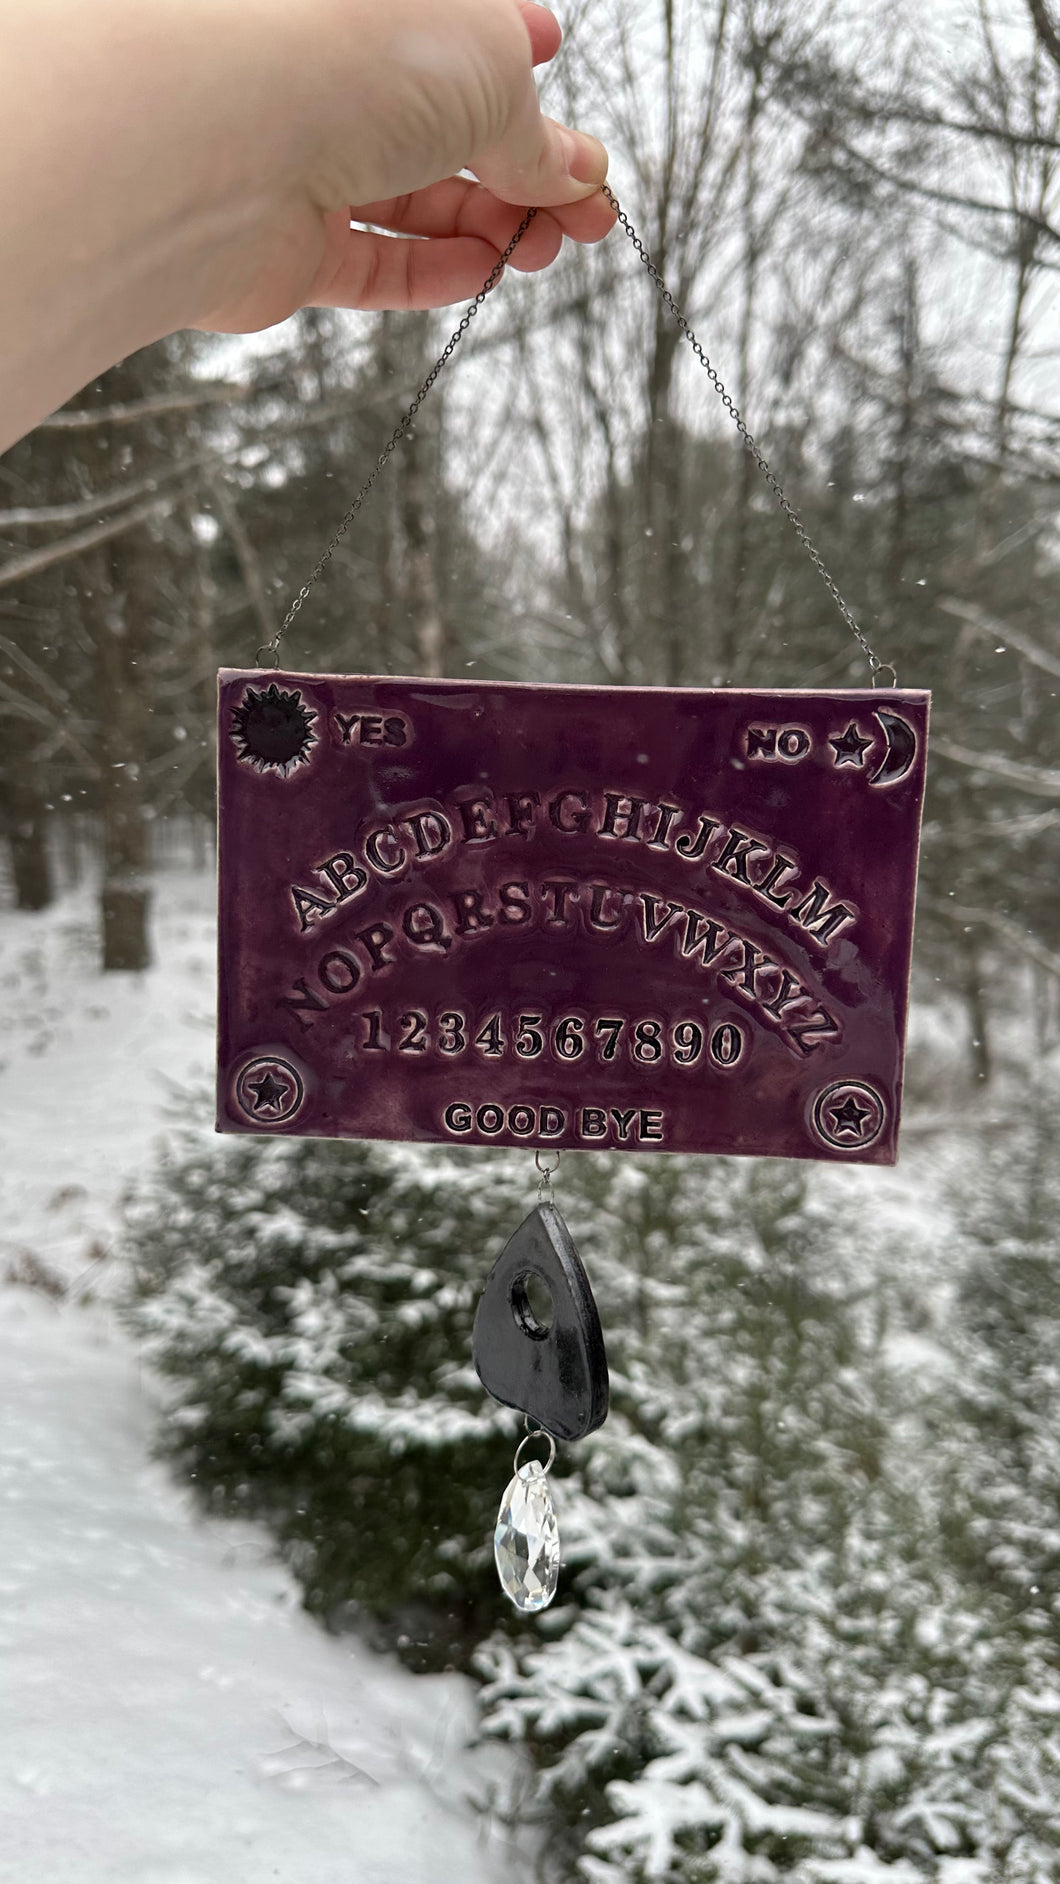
x: 92, y: 1065
x: 167, y: 1715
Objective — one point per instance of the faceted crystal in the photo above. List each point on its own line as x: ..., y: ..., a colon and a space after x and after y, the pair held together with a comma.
x: 526, y: 1541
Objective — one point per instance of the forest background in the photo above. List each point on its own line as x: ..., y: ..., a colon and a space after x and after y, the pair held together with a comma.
x: 814, y: 1627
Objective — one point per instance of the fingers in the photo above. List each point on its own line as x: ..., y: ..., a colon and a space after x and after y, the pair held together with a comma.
x: 587, y: 221
x: 544, y: 30
x: 446, y: 239
x: 379, y: 271
x: 459, y: 207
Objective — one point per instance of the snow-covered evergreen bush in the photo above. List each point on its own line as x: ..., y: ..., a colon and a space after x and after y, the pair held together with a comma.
x: 312, y: 1305
x: 1004, y: 1506
x: 778, y: 1670
x: 780, y: 1650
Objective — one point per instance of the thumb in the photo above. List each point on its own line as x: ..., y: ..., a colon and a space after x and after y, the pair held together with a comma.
x: 538, y: 161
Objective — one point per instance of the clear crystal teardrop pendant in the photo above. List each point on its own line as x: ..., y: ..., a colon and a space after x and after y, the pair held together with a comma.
x: 526, y: 1540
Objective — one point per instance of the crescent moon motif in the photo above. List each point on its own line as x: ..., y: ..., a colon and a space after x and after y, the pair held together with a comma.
x: 901, y: 749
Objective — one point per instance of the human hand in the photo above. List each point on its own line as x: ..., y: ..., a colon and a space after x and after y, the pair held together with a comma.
x: 451, y: 89
x: 197, y: 163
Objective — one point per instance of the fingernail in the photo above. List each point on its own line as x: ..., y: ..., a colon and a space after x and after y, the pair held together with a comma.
x: 585, y: 156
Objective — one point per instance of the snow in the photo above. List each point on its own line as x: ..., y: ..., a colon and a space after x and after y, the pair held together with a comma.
x: 167, y: 1712
x: 863, y: 1868
x: 92, y: 1065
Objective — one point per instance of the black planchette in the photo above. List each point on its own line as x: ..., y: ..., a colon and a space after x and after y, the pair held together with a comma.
x: 556, y: 1374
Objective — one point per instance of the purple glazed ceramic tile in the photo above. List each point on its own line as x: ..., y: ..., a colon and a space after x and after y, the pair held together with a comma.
x: 584, y: 917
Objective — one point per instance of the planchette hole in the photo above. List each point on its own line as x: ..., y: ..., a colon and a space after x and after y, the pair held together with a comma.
x: 532, y: 1305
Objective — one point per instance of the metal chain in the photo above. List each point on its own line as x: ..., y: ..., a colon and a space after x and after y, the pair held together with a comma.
x: 876, y: 665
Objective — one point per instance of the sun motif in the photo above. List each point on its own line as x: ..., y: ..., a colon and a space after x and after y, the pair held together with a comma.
x: 272, y: 729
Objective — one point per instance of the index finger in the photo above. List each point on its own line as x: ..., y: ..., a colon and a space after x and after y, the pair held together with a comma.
x: 459, y: 206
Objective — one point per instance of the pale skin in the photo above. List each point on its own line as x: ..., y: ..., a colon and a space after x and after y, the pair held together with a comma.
x: 197, y: 163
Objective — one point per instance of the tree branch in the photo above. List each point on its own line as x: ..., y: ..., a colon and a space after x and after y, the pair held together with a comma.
x: 951, y: 199
x: 22, y: 566
x: 1001, y: 925
x: 983, y: 624
x: 86, y: 418
x: 1031, y: 778
x: 795, y: 81
x: 1047, y: 33
x: 56, y: 723
x: 86, y: 507
x: 48, y: 684
x: 247, y: 558
x: 963, y: 127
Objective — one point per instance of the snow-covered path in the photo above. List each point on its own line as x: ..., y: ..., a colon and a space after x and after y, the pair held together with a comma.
x: 167, y: 1713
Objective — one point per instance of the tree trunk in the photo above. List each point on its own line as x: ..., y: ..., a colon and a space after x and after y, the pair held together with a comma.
x: 118, y: 583
x: 975, y: 1001
x: 125, y: 895
x: 421, y: 588
x: 663, y: 614
x: 419, y: 499
x: 26, y: 820
x: 114, y: 605
x: 31, y: 872
x: 731, y: 630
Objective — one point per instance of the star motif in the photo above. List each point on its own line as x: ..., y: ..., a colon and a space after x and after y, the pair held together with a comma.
x: 849, y: 1117
x: 267, y: 1091
x: 849, y: 747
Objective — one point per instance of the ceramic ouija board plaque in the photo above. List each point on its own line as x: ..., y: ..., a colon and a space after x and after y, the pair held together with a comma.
x: 582, y: 917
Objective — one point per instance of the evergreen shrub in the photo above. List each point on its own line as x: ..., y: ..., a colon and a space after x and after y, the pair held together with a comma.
x: 311, y: 1305
x: 777, y: 1656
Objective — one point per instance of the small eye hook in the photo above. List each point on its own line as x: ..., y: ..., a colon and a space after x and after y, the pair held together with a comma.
x: 544, y: 1189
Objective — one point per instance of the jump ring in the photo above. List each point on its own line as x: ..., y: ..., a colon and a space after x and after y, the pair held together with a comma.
x: 539, y: 1432
x: 546, y: 1170
x: 879, y: 669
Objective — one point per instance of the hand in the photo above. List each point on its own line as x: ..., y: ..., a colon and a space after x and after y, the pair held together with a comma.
x: 197, y: 163
x: 451, y: 88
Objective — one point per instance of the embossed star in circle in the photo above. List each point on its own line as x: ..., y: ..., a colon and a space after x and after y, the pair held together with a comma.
x: 849, y: 747
x: 268, y: 1092
x: 849, y: 1117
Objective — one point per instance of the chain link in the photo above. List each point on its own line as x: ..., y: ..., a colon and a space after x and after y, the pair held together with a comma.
x: 876, y: 665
